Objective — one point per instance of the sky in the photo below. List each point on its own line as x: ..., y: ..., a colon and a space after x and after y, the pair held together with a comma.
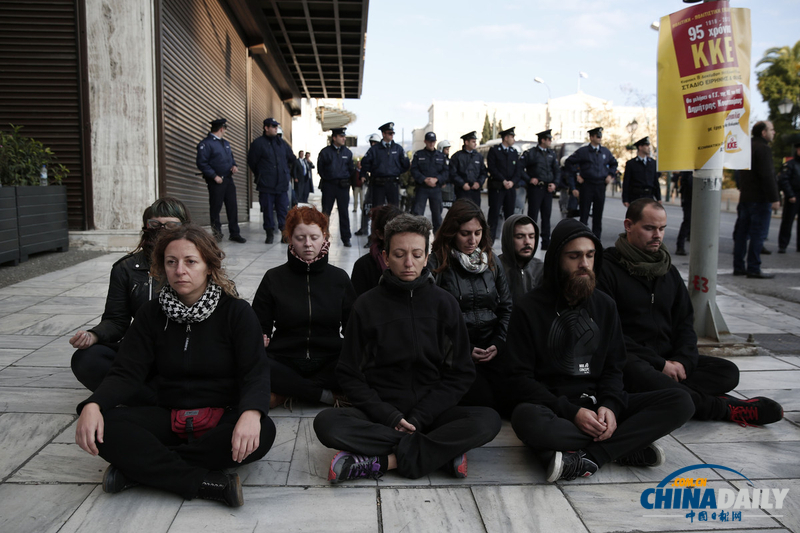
x: 419, y: 51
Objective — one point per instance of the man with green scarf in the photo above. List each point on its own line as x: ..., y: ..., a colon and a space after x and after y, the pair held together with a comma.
x: 658, y: 324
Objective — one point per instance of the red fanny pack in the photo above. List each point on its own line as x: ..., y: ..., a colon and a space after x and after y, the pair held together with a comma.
x: 195, y: 422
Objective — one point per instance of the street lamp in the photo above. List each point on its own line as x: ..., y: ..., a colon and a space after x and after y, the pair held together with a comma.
x: 655, y: 25
x: 785, y: 107
x: 537, y: 79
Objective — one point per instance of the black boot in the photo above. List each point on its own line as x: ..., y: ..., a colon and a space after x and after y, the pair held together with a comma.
x: 270, y: 237
x: 115, y: 481
x: 222, y: 487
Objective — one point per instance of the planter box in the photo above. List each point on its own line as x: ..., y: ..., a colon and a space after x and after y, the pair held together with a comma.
x: 9, y: 236
x: 41, y: 219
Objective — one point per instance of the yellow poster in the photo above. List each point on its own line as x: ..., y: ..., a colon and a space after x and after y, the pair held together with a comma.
x: 704, y: 88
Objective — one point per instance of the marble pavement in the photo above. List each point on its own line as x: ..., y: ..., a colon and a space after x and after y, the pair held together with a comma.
x: 48, y: 484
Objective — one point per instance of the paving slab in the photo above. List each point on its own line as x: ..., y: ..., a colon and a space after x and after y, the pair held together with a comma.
x: 62, y: 463
x: 69, y: 305
x: 24, y: 400
x: 33, y: 376
x: 435, y: 509
x: 10, y: 355
x: 19, y: 321
x: 705, y: 432
x: 285, y: 437
x: 39, y: 508
x: 506, y: 466
x: 264, y: 473
x: 759, y: 362
x: 22, y: 435
x: 789, y: 515
x: 506, y: 438
x: 756, y: 460
x: 57, y: 324
x: 57, y: 353
x: 17, y: 342
x: 15, y: 304
x: 542, y: 508
x: 135, y: 510
x: 773, y: 379
x: 285, y: 510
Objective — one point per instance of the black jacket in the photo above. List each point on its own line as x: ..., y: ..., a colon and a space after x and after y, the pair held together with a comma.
x: 130, y: 287
x: 405, y: 353
x: 556, y: 353
x: 656, y: 315
x: 429, y: 164
x: 789, y: 178
x: 484, y: 300
x: 594, y: 165
x: 271, y: 161
x: 758, y: 184
x: 542, y: 165
x: 467, y: 167
x: 303, y: 307
x: 335, y: 164
x: 366, y: 274
x: 385, y: 162
x: 639, y: 177
x: 214, y: 158
x: 504, y: 165
x: 521, y: 277
x: 218, y: 362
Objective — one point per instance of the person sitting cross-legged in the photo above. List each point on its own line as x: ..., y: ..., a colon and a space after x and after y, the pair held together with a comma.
x: 405, y: 364
x: 565, y: 354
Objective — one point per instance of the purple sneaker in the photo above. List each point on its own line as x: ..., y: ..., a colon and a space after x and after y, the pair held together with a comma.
x: 346, y: 465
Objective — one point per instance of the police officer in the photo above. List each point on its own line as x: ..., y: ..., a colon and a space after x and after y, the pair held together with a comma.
x: 544, y: 175
x: 215, y: 161
x: 467, y: 171
x: 429, y: 170
x: 335, y: 168
x: 385, y: 162
x: 789, y: 182
x: 641, y: 177
x: 505, y: 175
x: 271, y: 160
x: 596, y: 168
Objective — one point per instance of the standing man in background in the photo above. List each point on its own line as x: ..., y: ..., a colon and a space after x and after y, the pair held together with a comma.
x: 429, y: 170
x: 385, y: 161
x: 685, y: 182
x: 544, y: 173
x: 467, y: 171
x: 215, y: 161
x: 641, y: 176
x: 271, y: 161
x: 335, y: 163
x: 595, y: 168
x: 505, y: 175
x: 302, y: 178
x: 790, y: 185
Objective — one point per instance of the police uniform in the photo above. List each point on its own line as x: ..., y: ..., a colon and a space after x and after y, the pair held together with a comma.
x: 335, y: 169
x: 385, y: 162
x: 641, y: 177
x: 789, y: 182
x: 504, y: 166
x: 468, y: 168
x: 542, y: 164
x: 215, y: 158
x: 595, y: 164
x: 271, y: 160
x: 429, y: 164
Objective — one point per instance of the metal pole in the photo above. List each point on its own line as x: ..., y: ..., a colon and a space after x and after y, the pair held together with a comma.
x: 704, y: 257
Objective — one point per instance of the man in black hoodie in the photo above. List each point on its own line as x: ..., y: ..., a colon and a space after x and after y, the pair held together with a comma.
x: 520, y: 240
x: 405, y: 364
x: 566, y: 353
x: 658, y: 324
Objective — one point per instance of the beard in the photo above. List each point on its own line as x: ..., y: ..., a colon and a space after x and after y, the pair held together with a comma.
x: 575, y: 287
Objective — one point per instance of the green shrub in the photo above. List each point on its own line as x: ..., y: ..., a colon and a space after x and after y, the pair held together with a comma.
x: 21, y: 160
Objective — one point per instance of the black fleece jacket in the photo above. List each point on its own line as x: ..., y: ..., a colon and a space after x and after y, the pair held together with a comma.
x: 406, y: 352
x: 307, y: 305
x: 218, y: 362
x: 558, y: 353
x: 656, y: 315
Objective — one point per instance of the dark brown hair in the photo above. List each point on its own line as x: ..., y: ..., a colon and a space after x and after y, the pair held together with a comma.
x: 634, y: 212
x: 463, y: 211
x: 161, y: 208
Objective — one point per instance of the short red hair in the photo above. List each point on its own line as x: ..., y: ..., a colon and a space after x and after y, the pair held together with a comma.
x: 305, y: 215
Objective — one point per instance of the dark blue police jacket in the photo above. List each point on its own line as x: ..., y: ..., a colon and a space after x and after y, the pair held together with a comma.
x: 504, y: 165
x: 333, y: 164
x: 214, y: 158
x: 429, y: 164
x: 385, y: 161
x: 271, y: 161
x: 594, y: 166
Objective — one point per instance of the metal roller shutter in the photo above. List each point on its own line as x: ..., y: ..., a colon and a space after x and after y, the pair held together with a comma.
x: 203, y: 76
x: 40, y: 68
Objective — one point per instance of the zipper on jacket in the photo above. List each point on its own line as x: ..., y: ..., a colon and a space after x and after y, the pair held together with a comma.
x: 652, y: 298
x: 414, y: 340
x: 308, y: 286
x: 188, y: 333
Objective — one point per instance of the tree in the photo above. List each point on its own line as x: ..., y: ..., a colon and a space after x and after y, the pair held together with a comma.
x: 499, y: 128
x: 486, y: 134
x: 778, y: 81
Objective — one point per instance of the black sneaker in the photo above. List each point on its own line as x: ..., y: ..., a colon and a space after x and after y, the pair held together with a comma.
x: 781, y: 250
x: 222, y: 487
x: 237, y: 238
x: 764, y: 251
x: 270, y: 237
x: 458, y: 466
x: 756, y: 411
x: 346, y: 244
x: 652, y: 455
x: 569, y: 466
x: 115, y: 481
x: 346, y: 465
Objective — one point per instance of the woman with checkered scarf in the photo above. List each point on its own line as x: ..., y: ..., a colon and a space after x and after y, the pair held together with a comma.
x: 203, y: 346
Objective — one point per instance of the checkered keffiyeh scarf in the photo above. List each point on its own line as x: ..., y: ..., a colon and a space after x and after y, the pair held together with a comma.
x: 182, y: 314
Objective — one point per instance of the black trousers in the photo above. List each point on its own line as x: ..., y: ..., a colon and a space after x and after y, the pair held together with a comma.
x: 686, y: 226
x: 593, y: 197
x: 425, y: 194
x: 711, y: 378
x: 472, y: 194
x: 219, y: 193
x: 790, y: 211
x: 91, y: 365
x: 389, y: 193
x: 277, y: 201
x: 489, y: 389
x: 332, y: 192
x: 140, y: 442
x: 648, y: 417
x: 456, y: 431
x: 500, y: 198
x: 307, y: 386
x: 541, y: 200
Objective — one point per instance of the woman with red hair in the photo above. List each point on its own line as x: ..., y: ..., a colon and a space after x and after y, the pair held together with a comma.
x: 303, y: 305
